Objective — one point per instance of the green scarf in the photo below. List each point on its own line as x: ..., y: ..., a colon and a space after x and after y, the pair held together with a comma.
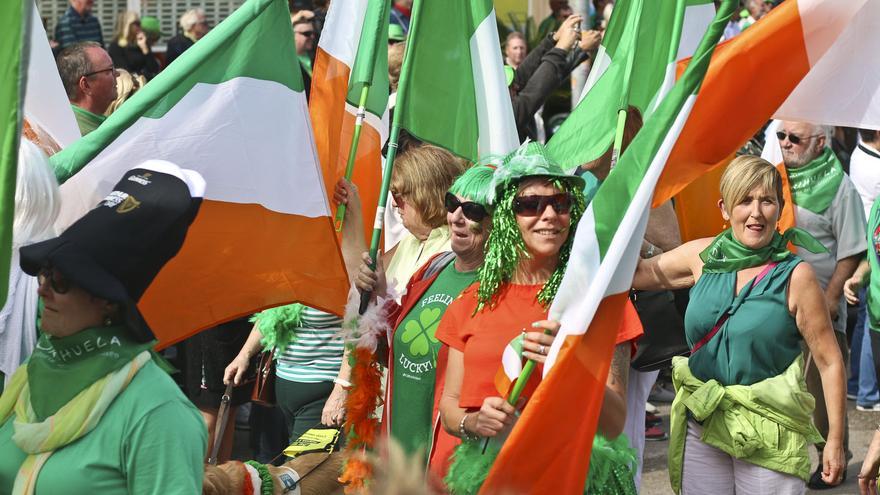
x: 874, y: 260
x: 277, y: 326
x: 726, y: 254
x: 60, y: 368
x: 814, y: 185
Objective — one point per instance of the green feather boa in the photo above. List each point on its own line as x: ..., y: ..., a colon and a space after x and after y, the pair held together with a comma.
x: 277, y: 326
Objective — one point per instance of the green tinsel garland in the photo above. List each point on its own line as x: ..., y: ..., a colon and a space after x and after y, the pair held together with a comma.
x: 267, y: 484
x: 277, y: 325
x: 505, y: 246
x: 612, y: 467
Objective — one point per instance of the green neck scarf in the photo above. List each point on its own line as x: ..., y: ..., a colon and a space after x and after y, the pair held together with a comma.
x: 60, y: 368
x: 814, y: 185
x: 726, y: 254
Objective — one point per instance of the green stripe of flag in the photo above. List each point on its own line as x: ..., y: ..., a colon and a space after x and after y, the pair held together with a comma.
x: 439, y: 89
x: 371, y: 61
x: 225, y: 53
x: 622, y: 183
x: 13, y: 52
x: 648, y: 31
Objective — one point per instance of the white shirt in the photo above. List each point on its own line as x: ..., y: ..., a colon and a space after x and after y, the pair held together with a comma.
x: 864, y: 171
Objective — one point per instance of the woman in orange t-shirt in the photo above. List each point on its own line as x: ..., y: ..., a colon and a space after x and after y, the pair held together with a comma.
x: 537, y: 207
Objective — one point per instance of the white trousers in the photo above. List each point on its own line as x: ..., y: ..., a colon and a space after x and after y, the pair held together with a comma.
x: 638, y: 388
x: 708, y: 470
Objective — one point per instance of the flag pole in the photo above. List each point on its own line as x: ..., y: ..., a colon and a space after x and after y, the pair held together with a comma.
x: 352, y: 151
x: 399, y: 108
x: 627, y: 74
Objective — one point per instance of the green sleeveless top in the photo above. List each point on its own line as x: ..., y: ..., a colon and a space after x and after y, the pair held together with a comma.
x: 760, y: 338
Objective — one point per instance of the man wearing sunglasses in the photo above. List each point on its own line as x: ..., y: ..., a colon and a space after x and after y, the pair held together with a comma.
x: 89, y: 79
x: 304, y: 37
x: 827, y: 206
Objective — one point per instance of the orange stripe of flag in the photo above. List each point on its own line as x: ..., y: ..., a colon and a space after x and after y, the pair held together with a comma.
x: 748, y: 79
x: 243, y: 274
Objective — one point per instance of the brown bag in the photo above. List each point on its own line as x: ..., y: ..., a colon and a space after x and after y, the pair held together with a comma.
x: 264, y: 387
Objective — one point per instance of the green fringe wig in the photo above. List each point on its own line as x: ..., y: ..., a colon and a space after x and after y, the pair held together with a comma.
x: 505, y: 247
x: 277, y: 326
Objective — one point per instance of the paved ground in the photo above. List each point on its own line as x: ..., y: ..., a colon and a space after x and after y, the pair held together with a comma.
x: 655, y: 479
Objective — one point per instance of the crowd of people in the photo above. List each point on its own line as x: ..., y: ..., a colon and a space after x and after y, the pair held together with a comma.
x: 778, y: 314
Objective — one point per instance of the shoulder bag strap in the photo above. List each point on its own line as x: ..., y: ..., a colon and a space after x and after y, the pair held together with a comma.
x: 706, y: 338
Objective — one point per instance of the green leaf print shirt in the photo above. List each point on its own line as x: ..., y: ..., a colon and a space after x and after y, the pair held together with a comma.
x: 415, y: 360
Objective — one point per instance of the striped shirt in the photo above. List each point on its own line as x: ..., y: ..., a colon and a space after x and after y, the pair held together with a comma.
x: 73, y: 28
x: 315, y: 352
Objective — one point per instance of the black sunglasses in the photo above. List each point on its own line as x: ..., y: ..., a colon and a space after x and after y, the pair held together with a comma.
x: 793, y: 139
x: 56, y: 280
x: 90, y: 74
x: 474, y: 212
x: 530, y: 206
x: 307, y: 34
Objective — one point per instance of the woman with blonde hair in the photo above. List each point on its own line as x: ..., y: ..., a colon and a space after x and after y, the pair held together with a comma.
x: 740, y: 422
x: 422, y: 175
x: 130, y: 49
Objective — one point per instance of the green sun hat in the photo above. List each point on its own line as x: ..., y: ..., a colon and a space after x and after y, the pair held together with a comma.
x: 396, y: 33
x: 151, y: 25
x: 531, y: 160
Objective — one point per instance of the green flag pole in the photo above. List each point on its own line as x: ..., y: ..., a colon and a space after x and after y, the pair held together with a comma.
x: 399, y: 108
x: 352, y: 151
x: 624, y: 100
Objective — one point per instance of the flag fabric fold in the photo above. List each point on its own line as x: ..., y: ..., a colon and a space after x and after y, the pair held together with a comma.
x: 233, y: 109
x: 455, y: 90
x: 654, y: 35
x: 739, y: 95
x: 352, y: 53
x: 560, y: 421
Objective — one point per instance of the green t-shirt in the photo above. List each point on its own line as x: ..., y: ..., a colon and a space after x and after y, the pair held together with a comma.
x: 415, y: 360
x: 874, y: 261
x: 151, y: 441
x: 86, y: 120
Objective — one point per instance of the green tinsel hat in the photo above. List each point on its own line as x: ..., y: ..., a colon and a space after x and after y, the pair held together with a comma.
x: 476, y: 184
x: 530, y: 160
x: 505, y: 247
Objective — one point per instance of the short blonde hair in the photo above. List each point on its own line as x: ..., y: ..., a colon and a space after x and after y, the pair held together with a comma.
x: 745, y: 173
x: 422, y: 175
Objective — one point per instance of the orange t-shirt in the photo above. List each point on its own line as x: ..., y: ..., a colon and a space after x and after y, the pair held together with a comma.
x: 482, y: 337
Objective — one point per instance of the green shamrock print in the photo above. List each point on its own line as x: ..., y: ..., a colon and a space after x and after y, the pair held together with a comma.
x: 419, y: 334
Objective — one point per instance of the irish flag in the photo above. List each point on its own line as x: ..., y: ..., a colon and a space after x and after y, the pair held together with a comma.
x: 559, y: 422
x: 453, y: 92
x: 233, y: 109
x: 352, y: 53
x: 635, y: 66
x: 749, y: 77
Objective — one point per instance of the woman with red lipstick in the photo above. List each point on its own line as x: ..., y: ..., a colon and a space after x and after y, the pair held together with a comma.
x: 741, y: 419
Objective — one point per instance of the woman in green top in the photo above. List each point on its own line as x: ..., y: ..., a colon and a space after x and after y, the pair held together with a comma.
x: 92, y: 411
x: 740, y: 420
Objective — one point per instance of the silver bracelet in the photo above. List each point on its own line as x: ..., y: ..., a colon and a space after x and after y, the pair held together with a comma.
x: 344, y: 383
x: 462, y: 432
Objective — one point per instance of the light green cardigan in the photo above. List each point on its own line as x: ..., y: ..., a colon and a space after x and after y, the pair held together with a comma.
x: 768, y: 423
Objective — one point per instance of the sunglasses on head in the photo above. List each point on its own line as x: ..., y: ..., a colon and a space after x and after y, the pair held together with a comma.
x: 792, y: 138
x: 472, y: 211
x: 530, y: 206
x: 56, y: 280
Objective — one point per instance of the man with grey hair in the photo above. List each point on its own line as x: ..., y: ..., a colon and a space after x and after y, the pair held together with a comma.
x: 194, y: 25
x: 827, y: 206
x: 89, y: 79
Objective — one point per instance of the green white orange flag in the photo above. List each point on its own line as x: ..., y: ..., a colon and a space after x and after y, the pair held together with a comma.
x: 232, y: 108
x: 558, y: 424
x: 749, y: 77
x: 635, y: 66
x: 352, y: 53
x: 455, y: 90
x: 13, y: 52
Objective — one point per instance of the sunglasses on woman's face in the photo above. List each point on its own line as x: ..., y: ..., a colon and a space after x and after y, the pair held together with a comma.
x: 472, y: 211
x: 56, y: 280
x: 531, y: 206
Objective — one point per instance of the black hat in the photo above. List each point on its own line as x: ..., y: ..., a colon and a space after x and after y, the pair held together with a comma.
x: 116, y: 250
